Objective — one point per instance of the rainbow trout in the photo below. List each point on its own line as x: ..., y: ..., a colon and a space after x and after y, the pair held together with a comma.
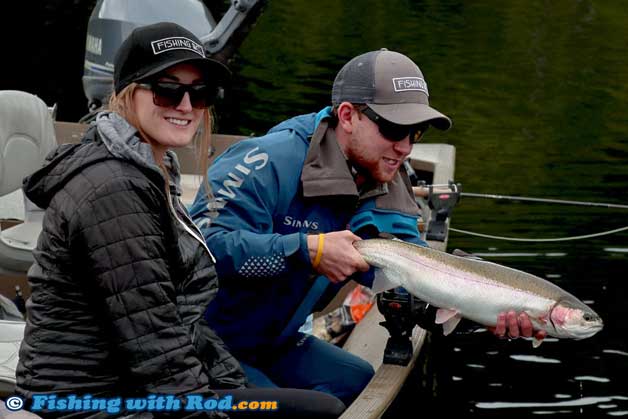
x: 475, y: 289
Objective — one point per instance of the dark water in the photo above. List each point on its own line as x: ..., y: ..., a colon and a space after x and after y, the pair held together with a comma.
x: 538, y: 92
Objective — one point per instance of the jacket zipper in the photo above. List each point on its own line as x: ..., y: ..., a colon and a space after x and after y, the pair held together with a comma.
x: 190, y: 231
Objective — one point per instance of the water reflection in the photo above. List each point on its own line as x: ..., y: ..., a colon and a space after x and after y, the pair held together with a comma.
x: 591, y: 378
x: 616, y: 249
x: 534, y: 358
x: 613, y: 351
x: 585, y: 401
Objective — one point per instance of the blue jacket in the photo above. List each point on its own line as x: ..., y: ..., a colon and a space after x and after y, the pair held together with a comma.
x: 269, y: 193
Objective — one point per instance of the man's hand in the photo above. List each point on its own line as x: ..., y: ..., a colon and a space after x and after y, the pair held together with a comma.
x: 513, y: 325
x: 339, y: 259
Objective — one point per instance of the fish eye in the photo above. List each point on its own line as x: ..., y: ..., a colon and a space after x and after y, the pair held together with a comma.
x: 588, y: 317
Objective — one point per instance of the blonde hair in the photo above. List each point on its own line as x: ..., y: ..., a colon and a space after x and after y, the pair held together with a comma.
x: 122, y: 104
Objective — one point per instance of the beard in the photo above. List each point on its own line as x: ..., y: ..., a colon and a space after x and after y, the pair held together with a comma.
x: 371, y: 169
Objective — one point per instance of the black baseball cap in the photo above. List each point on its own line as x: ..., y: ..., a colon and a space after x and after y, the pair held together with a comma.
x: 151, y: 49
x: 389, y: 83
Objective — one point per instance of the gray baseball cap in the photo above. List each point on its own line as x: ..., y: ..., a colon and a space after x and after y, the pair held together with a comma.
x: 389, y: 83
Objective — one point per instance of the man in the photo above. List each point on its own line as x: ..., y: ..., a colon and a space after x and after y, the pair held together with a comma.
x: 287, y: 208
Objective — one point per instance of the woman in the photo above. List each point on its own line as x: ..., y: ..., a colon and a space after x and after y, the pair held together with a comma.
x: 121, y: 274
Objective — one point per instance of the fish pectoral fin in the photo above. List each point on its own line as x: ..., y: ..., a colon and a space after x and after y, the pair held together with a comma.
x: 448, y: 318
x: 444, y: 314
x: 450, y: 325
x: 382, y: 281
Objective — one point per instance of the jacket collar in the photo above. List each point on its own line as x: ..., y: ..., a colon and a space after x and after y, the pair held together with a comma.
x: 122, y: 141
x: 326, y: 171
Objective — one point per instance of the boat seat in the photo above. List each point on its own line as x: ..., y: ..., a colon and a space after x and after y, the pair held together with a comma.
x: 26, y: 137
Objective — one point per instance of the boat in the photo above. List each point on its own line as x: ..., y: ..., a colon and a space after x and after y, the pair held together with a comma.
x: 431, y: 167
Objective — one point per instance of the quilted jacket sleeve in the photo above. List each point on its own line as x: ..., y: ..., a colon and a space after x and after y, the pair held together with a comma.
x: 121, y: 231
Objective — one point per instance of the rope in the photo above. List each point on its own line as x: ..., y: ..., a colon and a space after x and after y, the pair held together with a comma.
x: 559, y: 239
x: 545, y: 200
x: 530, y: 199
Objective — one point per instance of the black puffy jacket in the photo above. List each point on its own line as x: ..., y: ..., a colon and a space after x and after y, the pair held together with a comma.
x: 119, y: 283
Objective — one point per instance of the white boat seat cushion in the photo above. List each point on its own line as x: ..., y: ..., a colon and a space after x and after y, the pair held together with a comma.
x: 26, y: 137
x: 22, y: 236
x: 11, y: 334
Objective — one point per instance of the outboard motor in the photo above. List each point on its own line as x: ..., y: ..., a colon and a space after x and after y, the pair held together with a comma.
x: 111, y: 22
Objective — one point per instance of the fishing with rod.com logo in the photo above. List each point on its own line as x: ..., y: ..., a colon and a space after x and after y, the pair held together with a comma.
x: 151, y: 403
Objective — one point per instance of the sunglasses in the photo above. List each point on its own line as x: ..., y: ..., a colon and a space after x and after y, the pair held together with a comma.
x: 395, y: 132
x: 168, y: 93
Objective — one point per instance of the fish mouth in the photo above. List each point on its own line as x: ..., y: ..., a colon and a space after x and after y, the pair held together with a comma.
x: 592, y: 330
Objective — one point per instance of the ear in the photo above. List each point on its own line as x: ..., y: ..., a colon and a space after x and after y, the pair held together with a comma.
x: 345, y: 114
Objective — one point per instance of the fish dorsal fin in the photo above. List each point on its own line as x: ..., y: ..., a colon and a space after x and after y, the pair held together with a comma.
x: 463, y: 254
x: 448, y: 318
x: 382, y: 281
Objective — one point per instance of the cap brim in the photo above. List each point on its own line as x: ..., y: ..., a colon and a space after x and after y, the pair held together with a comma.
x: 411, y: 113
x: 215, y: 71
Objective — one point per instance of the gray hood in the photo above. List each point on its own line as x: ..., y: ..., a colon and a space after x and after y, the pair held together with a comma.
x: 121, y: 140
x: 109, y: 137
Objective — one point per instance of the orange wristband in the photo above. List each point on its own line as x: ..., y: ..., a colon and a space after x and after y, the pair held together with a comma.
x: 319, y: 251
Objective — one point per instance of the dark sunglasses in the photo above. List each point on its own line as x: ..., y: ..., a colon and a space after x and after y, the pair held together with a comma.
x: 395, y: 132
x: 169, y: 93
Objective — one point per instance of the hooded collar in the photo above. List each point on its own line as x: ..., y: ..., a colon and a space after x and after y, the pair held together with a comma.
x: 326, y: 171
x: 109, y: 137
x: 122, y: 141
